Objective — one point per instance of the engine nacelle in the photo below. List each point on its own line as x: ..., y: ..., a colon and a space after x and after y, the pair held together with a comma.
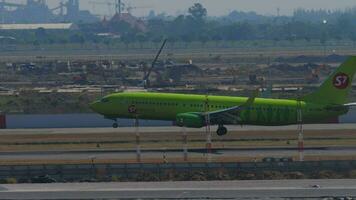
x: 190, y: 120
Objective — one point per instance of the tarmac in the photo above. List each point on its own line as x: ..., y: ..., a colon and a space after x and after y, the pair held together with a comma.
x: 174, y: 129
x: 184, y: 190
x: 171, y: 155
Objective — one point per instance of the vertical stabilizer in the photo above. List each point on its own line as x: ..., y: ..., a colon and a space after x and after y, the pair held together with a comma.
x: 336, y: 88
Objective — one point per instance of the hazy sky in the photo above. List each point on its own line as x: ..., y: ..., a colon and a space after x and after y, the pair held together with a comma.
x: 215, y: 7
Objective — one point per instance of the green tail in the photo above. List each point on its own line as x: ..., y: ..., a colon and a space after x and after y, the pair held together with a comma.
x: 336, y: 88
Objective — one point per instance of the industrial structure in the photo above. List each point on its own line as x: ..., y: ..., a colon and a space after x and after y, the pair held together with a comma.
x: 123, y: 13
x: 66, y: 11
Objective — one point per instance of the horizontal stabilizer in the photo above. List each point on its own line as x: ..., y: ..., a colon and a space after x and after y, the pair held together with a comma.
x: 350, y: 104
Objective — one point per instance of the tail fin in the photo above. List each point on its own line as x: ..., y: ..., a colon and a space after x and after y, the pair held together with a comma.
x: 336, y: 88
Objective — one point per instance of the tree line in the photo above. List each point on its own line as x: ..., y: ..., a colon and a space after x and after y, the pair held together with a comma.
x: 197, y: 26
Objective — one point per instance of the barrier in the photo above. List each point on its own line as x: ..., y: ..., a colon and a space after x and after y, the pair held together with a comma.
x: 132, y: 171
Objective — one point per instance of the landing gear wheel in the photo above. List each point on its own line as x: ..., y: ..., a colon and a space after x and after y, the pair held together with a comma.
x: 222, y: 130
x: 115, y: 125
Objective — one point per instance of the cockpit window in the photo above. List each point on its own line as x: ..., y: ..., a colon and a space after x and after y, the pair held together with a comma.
x: 105, y: 100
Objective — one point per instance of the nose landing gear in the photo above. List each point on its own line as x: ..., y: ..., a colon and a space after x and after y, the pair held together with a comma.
x: 222, y: 130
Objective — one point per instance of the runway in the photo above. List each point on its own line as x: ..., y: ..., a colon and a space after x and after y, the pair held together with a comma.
x: 125, y: 147
x: 172, y: 154
x: 173, y: 129
x: 184, y: 190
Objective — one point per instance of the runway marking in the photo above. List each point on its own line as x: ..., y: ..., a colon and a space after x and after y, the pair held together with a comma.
x: 173, y: 189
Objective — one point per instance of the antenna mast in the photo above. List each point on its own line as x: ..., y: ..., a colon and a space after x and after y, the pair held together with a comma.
x: 119, y: 7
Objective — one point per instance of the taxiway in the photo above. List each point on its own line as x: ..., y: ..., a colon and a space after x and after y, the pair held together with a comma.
x: 184, y: 190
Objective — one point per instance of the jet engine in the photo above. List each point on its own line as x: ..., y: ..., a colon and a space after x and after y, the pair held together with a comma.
x: 190, y: 120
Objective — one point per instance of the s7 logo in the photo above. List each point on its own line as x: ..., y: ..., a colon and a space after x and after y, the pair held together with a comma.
x: 341, y: 81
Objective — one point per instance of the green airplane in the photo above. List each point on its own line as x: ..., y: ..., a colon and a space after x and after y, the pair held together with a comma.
x: 197, y: 111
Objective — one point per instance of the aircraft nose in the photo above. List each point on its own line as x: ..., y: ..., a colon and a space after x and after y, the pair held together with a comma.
x: 94, y: 106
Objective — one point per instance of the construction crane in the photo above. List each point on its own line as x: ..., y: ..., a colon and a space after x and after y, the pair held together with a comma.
x: 118, y: 5
x: 71, y: 7
x: 61, y: 6
x: 130, y: 8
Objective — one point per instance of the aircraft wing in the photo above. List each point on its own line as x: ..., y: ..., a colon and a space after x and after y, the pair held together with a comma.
x: 350, y: 105
x: 231, y: 115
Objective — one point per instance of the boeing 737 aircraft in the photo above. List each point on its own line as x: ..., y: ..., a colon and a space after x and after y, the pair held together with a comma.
x: 197, y: 111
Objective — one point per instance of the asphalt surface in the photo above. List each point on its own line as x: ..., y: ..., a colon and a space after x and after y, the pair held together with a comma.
x: 184, y: 190
x: 172, y: 154
x: 175, y: 153
x: 170, y: 129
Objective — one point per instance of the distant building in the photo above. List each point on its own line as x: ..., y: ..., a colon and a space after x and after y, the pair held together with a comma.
x: 56, y: 26
x: 109, y: 35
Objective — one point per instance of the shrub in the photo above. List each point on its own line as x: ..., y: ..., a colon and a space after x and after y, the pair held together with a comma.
x: 10, y: 181
x: 294, y: 175
x: 146, y: 176
x: 198, y: 176
x: 220, y: 174
x: 352, y: 174
x: 245, y: 176
x: 326, y: 174
x: 115, y: 178
x: 271, y: 175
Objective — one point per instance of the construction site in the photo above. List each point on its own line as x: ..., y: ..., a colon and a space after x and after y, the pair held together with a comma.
x: 58, y: 85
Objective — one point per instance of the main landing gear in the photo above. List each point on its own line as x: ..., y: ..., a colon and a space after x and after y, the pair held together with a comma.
x: 222, y: 130
x: 115, y: 124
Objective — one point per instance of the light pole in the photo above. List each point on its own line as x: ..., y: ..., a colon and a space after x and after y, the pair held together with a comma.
x: 325, y: 22
x: 92, y: 158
